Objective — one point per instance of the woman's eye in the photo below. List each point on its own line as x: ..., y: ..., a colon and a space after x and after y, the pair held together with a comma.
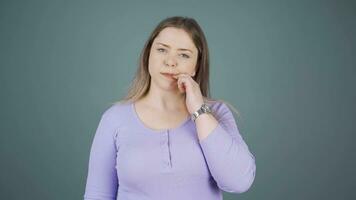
x: 185, y: 55
x: 160, y: 49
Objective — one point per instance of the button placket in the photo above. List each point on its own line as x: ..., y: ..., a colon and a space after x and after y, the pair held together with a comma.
x: 165, y: 151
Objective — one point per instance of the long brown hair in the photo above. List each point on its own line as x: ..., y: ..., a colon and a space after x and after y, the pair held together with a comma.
x: 141, y: 83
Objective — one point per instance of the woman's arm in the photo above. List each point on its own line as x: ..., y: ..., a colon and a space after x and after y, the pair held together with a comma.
x: 230, y: 162
x: 102, y: 182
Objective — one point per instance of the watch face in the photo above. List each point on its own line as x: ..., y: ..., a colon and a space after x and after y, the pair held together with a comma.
x: 205, y: 107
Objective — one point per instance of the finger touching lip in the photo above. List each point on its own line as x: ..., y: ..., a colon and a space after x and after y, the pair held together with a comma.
x: 169, y: 75
x: 177, y: 75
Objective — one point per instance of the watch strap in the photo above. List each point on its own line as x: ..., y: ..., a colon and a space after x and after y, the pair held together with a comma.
x: 204, y: 108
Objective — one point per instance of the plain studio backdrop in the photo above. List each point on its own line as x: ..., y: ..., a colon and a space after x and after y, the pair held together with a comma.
x: 287, y: 66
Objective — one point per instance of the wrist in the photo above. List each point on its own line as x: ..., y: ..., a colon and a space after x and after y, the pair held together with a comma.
x: 204, y: 108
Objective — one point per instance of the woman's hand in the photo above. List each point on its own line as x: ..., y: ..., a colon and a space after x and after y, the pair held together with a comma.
x: 194, y: 98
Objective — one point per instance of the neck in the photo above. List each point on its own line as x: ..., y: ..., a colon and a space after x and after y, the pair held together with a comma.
x: 166, y: 100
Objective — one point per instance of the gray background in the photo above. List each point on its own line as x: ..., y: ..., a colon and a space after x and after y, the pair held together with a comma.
x: 287, y: 66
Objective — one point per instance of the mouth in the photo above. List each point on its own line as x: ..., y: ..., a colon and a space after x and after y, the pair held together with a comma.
x: 168, y: 75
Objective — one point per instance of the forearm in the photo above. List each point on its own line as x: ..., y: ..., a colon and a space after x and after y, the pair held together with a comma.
x: 205, y: 124
x: 229, y: 160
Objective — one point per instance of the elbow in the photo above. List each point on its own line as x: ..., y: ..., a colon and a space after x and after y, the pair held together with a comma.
x: 244, y: 186
x: 241, y: 184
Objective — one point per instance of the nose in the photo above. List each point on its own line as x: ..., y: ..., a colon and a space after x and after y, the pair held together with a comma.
x: 170, y: 61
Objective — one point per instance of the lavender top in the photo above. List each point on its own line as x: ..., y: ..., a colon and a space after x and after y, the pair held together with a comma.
x: 130, y: 161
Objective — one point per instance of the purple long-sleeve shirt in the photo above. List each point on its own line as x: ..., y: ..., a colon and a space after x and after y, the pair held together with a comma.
x: 130, y: 161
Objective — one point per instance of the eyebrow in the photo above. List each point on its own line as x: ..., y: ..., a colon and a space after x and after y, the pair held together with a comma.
x: 166, y: 45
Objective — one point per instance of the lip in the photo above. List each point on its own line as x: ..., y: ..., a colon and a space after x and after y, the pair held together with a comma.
x: 169, y: 75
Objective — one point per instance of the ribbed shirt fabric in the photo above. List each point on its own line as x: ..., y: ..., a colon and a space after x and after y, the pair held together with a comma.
x: 130, y: 161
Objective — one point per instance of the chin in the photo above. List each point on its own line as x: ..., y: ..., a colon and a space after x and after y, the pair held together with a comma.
x: 164, y: 84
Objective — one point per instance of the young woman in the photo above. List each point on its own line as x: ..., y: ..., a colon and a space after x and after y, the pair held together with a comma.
x: 168, y: 139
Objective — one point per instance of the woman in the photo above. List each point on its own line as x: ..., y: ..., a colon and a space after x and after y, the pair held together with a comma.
x: 167, y: 139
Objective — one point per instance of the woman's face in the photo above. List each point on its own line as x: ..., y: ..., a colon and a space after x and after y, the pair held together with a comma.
x: 174, y: 52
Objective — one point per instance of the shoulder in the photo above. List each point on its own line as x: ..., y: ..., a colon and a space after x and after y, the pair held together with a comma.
x: 116, y: 113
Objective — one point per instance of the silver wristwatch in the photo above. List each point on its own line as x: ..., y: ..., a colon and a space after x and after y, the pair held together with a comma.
x: 203, y: 109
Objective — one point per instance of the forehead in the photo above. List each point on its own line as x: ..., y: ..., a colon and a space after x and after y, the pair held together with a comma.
x: 176, y: 38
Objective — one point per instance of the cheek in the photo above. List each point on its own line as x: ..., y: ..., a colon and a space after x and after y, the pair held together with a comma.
x: 154, y: 59
x: 154, y: 64
x: 190, y: 66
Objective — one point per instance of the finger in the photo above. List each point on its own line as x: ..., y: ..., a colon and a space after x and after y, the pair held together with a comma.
x: 180, y: 86
x: 184, y: 83
x: 181, y: 75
